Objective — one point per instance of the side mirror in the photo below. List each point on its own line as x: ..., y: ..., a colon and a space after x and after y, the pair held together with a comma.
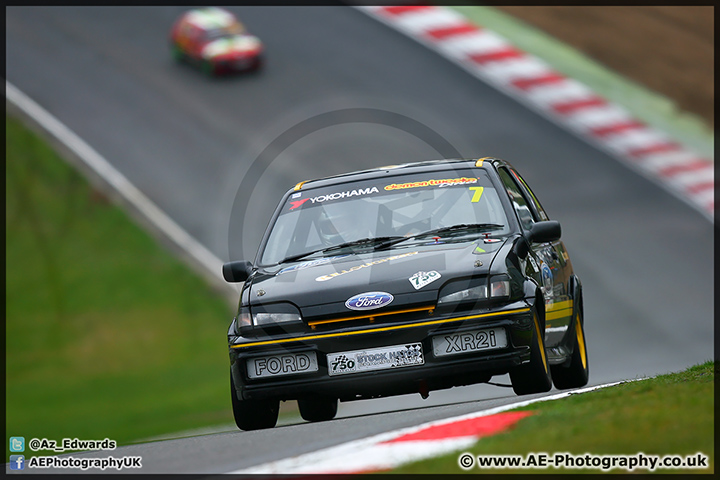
x: 543, y: 232
x: 234, y: 272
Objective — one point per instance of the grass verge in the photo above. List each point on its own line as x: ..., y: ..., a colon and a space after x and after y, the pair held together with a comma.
x: 107, y: 334
x: 667, y: 415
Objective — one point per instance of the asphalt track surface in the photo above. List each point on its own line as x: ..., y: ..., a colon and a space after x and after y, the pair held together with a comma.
x: 342, y: 92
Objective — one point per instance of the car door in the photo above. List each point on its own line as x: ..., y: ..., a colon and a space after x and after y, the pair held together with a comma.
x: 550, y: 258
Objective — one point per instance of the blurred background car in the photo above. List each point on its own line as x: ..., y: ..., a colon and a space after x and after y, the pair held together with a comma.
x: 214, y: 40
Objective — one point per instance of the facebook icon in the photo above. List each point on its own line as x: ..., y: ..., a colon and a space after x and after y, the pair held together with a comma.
x: 17, y: 462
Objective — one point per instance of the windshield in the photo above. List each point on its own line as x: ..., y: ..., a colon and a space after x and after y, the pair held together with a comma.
x: 389, y: 207
x: 230, y: 30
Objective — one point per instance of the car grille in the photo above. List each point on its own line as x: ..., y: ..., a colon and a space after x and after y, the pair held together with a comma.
x: 381, y: 318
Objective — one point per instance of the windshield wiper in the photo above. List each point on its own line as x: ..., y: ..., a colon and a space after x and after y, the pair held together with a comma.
x: 388, y: 241
x: 366, y: 242
x: 461, y: 227
x: 298, y: 256
x: 380, y: 242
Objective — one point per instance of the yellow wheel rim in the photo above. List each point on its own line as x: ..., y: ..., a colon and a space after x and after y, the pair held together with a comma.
x: 580, y: 341
x: 541, y: 343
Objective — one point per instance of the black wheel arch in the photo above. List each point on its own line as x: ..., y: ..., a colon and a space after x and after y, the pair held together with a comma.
x: 534, y: 296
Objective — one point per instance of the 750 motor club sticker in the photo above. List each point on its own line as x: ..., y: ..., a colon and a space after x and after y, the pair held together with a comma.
x: 420, y: 279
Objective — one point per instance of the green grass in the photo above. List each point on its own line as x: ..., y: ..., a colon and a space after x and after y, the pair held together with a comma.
x: 667, y: 415
x: 107, y: 334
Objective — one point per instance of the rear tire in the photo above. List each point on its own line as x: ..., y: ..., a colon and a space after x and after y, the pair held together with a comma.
x: 318, y: 409
x: 577, y: 372
x: 253, y: 414
x: 533, y: 377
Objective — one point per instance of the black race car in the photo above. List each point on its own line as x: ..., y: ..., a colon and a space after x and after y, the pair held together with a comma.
x: 403, y: 279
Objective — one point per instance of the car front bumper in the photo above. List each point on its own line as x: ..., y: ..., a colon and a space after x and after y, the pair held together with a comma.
x: 237, y: 63
x: 437, y: 372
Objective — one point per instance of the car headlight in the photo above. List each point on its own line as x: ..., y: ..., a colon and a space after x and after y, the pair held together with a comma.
x: 474, y: 293
x: 498, y: 287
x: 274, y: 318
x: 274, y: 314
x: 244, y: 319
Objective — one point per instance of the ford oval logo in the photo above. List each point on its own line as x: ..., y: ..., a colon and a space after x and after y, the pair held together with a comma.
x: 369, y: 300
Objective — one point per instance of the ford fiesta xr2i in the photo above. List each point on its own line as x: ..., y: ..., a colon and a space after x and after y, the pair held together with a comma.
x: 403, y: 279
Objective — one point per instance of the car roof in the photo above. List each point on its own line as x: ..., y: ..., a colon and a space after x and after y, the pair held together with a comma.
x: 210, y: 18
x: 414, y: 167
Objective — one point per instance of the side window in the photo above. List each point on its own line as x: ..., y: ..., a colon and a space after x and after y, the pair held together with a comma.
x: 518, y: 200
x: 540, y: 210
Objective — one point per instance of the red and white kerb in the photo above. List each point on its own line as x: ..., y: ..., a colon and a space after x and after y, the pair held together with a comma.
x: 389, y: 450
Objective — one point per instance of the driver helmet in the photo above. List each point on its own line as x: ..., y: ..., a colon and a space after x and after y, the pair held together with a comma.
x: 340, y: 226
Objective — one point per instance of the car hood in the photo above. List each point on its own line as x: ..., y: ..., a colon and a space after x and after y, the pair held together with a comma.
x: 233, y: 44
x: 411, y: 275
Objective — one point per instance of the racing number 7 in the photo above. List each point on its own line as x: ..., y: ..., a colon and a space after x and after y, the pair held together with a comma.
x: 477, y: 194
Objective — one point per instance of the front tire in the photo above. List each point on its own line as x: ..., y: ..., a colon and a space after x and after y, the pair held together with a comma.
x: 577, y: 373
x: 318, y: 409
x: 533, y: 377
x: 253, y: 414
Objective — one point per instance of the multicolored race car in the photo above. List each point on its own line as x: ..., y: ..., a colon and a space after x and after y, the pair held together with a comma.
x: 214, y: 40
x: 404, y: 279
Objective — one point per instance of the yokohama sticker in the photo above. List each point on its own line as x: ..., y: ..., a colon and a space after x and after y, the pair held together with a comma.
x: 420, y: 279
x: 334, y: 196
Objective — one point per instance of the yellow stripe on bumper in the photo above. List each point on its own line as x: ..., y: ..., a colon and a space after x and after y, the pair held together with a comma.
x: 428, y: 309
x: 381, y: 329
